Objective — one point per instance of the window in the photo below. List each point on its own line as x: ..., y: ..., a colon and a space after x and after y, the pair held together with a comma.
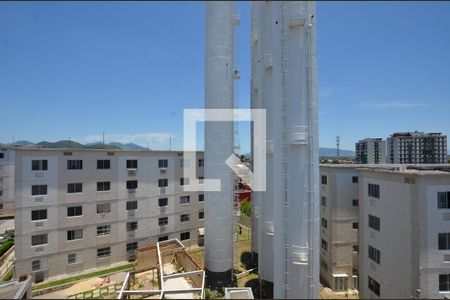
x: 163, y: 163
x: 185, y: 236
x: 40, y: 239
x: 74, y: 211
x: 374, y: 190
x: 355, y: 202
x: 163, y: 182
x: 2, y: 155
x: 40, y: 189
x: 324, y: 245
x: 355, y: 225
x: 132, y: 163
x: 443, y: 199
x: 163, y: 202
x: 74, y: 188
x: 340, y: 283
x: 40, y: 214
x: 103, y: 230
x: 184, y: 200
x: 374, y: 222
x: 355, y: 248
x: 201, y: 162
x: 73, y: 258
x: 132, y: 184
x: 323, y: 201
x: 103, y: 252
x: 35, y: 265
x: 444, y: 241
x: 355, y: 179
x: 76, y: 234
x: 132, y: 246
x: 374, y: 286
x: 39, y: 165
x: 74, y: 164
x: 444, y: 283
x: 201, y: 197
x: 103, y: 164
x: 132, y: 205
x: 184, y: 162
x: 184, y: 218
x: 201, y: 215
x: 103, y: 186
x: 184, y: 181
x: 374, y: 254
x: 103, y: 208
x: 324, y: 223
x: 163, y: 221
x: 163, y: 238
x: 132, y: 226
x: 324, y: 179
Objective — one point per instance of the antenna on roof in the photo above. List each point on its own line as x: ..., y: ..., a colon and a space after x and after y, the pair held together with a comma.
x: 103, y: 138
x: 170, y: 143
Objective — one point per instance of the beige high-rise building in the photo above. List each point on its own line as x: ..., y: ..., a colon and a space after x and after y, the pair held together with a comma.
x: 82, y: 209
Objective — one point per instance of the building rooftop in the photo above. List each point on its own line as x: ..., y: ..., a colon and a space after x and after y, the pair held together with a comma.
x: 413, y: 169
x: 99, y: 150
x: 415, y: 133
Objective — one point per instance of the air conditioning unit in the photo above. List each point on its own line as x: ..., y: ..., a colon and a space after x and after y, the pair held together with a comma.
x: 131, y: 233
x: 39, y: 199
x: 39, y: 224
x: 132, y: 193
x: 162, y: 191
x: 131, y: 213
x: 38, y: 249
x: 39, y: 174
x: 132, y: 172
x: 163, y: 170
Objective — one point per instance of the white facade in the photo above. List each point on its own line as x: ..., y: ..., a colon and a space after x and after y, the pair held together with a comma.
x: 7, y: 160
x: 98, y: 221
x: 400, y: 221
x: 339, y: 214
x: 370, y: 151
x: 284, y: 82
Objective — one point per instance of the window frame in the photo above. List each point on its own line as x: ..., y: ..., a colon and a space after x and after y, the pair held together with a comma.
x: 74, y: 164
x: 75, y: 188
x: 184, y: 202
x: 102, y: 165
x: 132, y: 164
x: 162, y: 201
x: 74, y: 210
x: 103, y: 230
x: 131, y: 205
x: 39, y: 216
x: 132, y: 185
x: 188, y: 233
x: 42, y: 165
x: 103, y: 186
x: 42, y: 190
x: 163, y: 163
x: 74, y: 234
x: 43, y: 236
x: 100, y: 205
x: 103, y: 252
x: 163, y: 221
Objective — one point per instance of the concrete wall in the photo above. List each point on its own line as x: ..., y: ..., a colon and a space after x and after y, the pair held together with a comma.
x: 7, y: 181
x: 340, y: 191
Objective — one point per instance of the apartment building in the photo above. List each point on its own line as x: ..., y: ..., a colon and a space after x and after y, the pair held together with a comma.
x: 7, y: 159
x: 339, y: 226
x: 404, y: 231
x: 370, y: 151
x: 83, y: 209
x: 417, y: 148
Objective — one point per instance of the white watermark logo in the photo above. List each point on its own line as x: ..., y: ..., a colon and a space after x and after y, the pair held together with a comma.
x: 256, y: 179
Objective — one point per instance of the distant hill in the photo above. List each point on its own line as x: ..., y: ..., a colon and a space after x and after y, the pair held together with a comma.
x: 332, y: 152
x: 24, y: 143
x: 60, y: 144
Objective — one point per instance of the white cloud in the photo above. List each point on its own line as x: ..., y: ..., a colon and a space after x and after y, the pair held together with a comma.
x: 139, y: 138
x: 392, y: 104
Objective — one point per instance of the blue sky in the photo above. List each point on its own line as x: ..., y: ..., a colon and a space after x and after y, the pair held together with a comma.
x: 75, y: 69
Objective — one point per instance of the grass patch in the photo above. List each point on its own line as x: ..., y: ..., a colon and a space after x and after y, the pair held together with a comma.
x: 5, y: 246
x: 83, y: 276
x: 8, y: 275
